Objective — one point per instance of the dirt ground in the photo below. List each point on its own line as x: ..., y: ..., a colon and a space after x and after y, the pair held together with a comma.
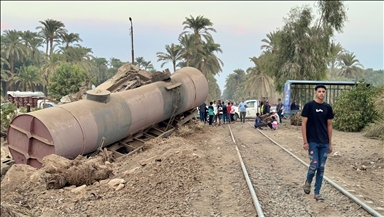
x: 195, y: 172
x: 356, y: 163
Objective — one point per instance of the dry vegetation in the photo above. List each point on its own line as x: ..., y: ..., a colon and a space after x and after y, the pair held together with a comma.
x: 376, y: 129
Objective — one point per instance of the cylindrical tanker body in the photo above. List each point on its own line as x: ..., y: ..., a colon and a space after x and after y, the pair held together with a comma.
x: 81, y: 127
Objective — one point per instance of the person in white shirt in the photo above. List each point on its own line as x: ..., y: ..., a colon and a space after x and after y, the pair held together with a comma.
x: 214, y: 111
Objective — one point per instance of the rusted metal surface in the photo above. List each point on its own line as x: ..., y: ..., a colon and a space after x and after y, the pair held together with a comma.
x: 82, y: 127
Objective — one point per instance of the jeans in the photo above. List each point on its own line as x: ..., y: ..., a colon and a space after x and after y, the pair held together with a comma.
x: 202, y: 116
x: 210, y: 119
x: 280, y: 117
x: 225, y: 118
x: 242, y: 116
x: 318, y: 154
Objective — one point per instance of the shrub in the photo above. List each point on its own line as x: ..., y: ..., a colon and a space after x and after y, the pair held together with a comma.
x: 65, y: 80
x: 354, y: 109
x: 8, y: 112
x: 376, y: 130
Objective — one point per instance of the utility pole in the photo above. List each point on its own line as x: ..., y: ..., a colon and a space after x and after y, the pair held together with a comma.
x: 131, y: 33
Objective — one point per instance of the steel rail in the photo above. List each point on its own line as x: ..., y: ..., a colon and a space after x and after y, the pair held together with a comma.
x: 249, y: 183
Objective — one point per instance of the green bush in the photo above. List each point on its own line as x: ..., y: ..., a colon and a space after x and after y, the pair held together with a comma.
x: 65, y: 80
x: 8, y: 112
x: 354, y: 109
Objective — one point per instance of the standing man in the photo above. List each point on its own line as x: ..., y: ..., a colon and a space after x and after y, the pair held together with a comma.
x: 243, y: 110
x: 210, y: 113
x: 279, y: 109
x: 229, y: 108
x: 317, y: 135
x: 202, y: 109
x: 294, y: 106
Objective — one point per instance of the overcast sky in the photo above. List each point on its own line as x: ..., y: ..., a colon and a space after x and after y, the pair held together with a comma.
x: 104, y: 27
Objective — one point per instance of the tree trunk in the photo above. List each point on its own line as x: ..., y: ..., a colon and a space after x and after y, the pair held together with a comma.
x: 46, y: 49
x: 174, y: 66
x: 51, y: 46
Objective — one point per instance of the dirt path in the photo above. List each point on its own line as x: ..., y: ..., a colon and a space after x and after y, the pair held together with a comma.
x: 278, y: 179
x: 356, y: 164
x: 223, y: 192
x: 195, y: 172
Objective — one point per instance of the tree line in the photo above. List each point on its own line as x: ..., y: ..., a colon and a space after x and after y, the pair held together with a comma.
x: 302, y: 49
x: 25, y: 66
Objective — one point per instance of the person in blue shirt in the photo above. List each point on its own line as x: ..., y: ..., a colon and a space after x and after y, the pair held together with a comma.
x: 257, y: 121
x: 243, y: 110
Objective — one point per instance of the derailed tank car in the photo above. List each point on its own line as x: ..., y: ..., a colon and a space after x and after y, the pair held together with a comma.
x: 81, y: 127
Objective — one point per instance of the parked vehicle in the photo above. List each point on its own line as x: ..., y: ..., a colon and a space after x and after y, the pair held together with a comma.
x: 42, y: 104
x: 252, y: 109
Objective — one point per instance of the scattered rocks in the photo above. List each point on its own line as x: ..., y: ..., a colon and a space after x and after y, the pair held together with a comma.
x: 114, y: 182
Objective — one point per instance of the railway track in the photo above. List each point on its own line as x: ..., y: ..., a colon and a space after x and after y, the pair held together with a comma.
x: 275, y: 181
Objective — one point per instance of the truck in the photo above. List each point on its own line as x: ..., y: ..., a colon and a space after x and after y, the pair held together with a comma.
x: 252, y: 109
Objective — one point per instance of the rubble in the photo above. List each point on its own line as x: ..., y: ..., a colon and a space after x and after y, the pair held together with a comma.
x: 127, y: 77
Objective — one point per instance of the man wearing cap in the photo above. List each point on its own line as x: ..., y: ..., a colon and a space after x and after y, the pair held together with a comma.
x: 317, y: 135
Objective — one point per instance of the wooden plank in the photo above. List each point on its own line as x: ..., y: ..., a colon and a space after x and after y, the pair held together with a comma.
x: 167, y: 133
x: 114, y: 147
x: 118, y: 154
x: 149, y: 135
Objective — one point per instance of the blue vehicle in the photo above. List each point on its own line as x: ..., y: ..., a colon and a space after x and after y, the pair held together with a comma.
x: 304, y: 91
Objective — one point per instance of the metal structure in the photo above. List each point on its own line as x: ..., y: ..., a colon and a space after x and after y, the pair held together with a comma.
x: 131, y: 33
x: 304, y: 91
x: 104, y: 118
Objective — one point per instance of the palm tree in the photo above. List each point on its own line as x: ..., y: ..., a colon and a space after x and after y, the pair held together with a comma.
x: 5, y: 74
x: 270, y: 42
x: 44, y: 34
x: 239, y: 76
x: 207, y: 61
x: 350, y: 66
x: 14, y: 49
x: 140, y: 62
x: 258, y: 82
x: 52, y: 29
x: 189, y: 48
x: 27, y: 78
x: 49, y: 68
x: 200, y: 27
x: 148, y: 66
x: 67, y: 39
x: 233, y: 83
x: 102, y: 69
x: 173, y: 54
x: 32, y: 42
x: 334, y: 57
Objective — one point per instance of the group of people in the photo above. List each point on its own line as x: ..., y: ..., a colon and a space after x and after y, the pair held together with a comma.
x: 217, y: 113
x: 266, y: 117
x: 316, y: 130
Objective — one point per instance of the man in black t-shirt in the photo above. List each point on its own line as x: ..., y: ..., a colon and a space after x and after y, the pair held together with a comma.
x: 317, y: 135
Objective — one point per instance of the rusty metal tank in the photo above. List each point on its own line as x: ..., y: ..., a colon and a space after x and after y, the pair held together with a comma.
x: 103, y: 118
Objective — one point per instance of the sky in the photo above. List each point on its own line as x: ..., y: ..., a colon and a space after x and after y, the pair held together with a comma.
x: 240, y: 26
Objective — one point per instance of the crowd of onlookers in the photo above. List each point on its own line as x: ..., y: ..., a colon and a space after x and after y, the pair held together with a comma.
x: 220, y: 112
x: 217, y: 113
